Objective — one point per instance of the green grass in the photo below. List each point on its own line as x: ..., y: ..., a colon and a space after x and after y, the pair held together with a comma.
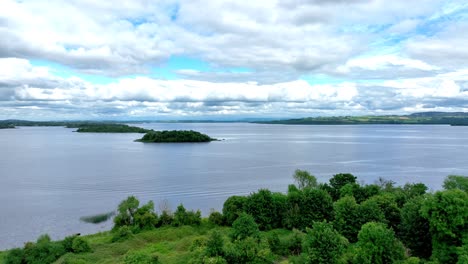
x: 171, y: 244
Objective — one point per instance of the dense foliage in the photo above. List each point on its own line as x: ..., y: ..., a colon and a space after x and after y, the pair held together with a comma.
x: 341, y: 221
x: 175, y: 136
x: 109, y: 128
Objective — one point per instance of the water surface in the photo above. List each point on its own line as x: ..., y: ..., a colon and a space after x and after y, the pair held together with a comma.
x: 50, y: 176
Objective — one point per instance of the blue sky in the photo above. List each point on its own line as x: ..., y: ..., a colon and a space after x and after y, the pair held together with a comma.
x: 227, y: 59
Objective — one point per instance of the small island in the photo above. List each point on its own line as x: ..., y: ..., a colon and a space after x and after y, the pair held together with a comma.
x: 175, y: 136
x: 110, y: 128
x: 6, y: 126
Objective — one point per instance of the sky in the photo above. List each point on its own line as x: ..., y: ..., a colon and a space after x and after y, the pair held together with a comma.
x: 223, y: 59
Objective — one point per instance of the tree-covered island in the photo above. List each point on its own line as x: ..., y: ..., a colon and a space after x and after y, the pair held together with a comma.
x: 109, y: 128
x: 175, y: 136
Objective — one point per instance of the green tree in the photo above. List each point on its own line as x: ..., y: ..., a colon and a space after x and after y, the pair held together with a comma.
x: 304, y: 179
x: 389, y: 207
x: 414, y: 228
x: 447, y: 212
x: 249, y: 250
x: 268, y: 209
x: 215, y: 244
x: 145, y: 217
x: 323, y: 244
x: 306, y: 206
x: 377, y: 245
x: 126, y: 212
x: 346, y: 217
x: 337, y: 182
x: 233, y: 207
x: 184, y: 217
x: 80, y: 245
x: 244, y: 227
x: 456, y: 182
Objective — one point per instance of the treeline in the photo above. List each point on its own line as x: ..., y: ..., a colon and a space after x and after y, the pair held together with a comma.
x: 175, y: 136
x: 109, y: 128
x: 413, y: 119
x: 341, y: 221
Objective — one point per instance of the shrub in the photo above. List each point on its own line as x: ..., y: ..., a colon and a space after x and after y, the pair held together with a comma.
x: 165, y: 219
x: 214, y: 244
x: 80, y: 245
x: 233, y: 207
x: 244, y: 227
x: 184, y: 217
x: 323, y: 244
x: 377, y: 245
x: 14, y: 256
x: 123, y: 233
x: 43, y: 252
x: 216, y: 218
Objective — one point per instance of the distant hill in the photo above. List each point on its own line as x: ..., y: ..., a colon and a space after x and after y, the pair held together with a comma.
x: 424, y: 118
x: 440, y: 114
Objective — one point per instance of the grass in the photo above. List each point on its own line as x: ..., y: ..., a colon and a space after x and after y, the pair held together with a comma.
x: 170, y: 244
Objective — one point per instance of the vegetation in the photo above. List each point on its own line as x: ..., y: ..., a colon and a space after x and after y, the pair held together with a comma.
x: 110, y: 128
x: 434, y: 118
x: 96, y: 219
x: 340, y: 221
x: 175, y: 136
x: 6, y: 126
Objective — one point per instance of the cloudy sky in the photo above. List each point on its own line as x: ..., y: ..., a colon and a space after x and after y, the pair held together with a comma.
x: 198, y: 59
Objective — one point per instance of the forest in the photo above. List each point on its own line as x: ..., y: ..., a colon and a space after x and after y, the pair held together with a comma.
x: 341, y: 221
x: 175, y: 136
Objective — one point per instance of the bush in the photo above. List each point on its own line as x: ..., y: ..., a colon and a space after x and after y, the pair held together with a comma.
x: 133, y: 257
x: 43, y: 251
x: 267, y: 208
x: 244, y: 227
x: 323, y: 244
x: 377, y: 245
x: 233, y: 207
x: 80, y: 245
x: 123, y: 233
x: 249, y: 250
x: 67, y: 243
x: 184, y: 217
x: 14, y: 256
x: 216, y: 218
x: 214, y: 244
x: 165, y: 219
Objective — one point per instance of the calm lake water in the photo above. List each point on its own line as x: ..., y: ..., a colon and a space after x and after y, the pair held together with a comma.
x: 50, y: 176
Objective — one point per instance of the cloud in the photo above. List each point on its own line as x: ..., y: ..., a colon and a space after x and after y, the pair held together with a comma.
x: 360, y: 56
x: 143, y: 97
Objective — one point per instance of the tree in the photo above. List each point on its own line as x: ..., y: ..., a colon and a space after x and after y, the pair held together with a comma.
x: 447, y: 212
x: 126, y: 209
x: 377, y: 245
x: 346, y: 217
x: 307, y: 206
x: 233, y: 207
x: 456, y: 182
x: 184, y: 217
x: 145, y: 217
x: 267, y: 208
x: 214, y: 244
x: 304, y: 179
x: 414, y: 228
x: 337, y: 182
x: 244, y: 227
x: 389, y: 207
x: 323, y: 244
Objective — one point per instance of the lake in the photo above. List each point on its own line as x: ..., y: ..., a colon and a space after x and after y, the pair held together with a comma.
x: 50, y: 176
